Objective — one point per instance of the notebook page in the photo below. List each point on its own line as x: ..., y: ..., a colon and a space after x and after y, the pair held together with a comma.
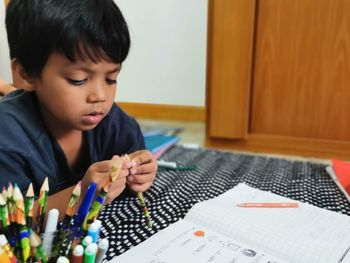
x: 305, y: 234
x: 184, y: 241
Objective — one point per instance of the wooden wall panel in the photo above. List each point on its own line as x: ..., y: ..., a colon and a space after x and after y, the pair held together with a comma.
x: 302, y: 69
x: 230, y: 41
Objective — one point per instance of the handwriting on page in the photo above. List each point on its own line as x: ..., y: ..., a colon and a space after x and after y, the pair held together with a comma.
x: 193, y: 243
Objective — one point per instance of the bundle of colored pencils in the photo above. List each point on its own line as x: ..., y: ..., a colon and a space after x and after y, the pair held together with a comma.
x: 23, y: 239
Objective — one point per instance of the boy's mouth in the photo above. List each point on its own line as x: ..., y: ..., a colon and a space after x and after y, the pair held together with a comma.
x: 93, y: 118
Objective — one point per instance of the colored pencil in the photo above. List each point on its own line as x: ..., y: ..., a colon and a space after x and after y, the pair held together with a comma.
x: 5, y: 246
x: 11, y: 211
x: 4, y: 215
x: 29, y: 204
x: 37, y: 247
x: 101, y: 198
x: 143, y: 204
x: 72, y: 204
x: 145, y: 209
x: 4, y: 193
x: 268, y: 205
x: 42, y: 202
x: 24, y: 246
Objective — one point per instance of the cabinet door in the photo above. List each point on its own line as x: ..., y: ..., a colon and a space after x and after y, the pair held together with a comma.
x: 280, y: 83
x: 230, y: 44
x: 302, y: 69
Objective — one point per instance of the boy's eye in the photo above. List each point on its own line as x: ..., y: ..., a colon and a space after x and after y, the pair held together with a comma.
x: 76, y: 82
x: 111, y: 81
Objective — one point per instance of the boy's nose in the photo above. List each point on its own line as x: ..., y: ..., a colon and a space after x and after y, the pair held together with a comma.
x: 97, y: 93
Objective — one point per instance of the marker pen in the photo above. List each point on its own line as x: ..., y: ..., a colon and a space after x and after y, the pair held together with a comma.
x: 90, y: 253
x: 86, y: 241
x: 78, y: 254
x: 93, y: 231
x: 62, y: 259
x: 51, y: 227
x: 85, y: 205
x: 103, y: 245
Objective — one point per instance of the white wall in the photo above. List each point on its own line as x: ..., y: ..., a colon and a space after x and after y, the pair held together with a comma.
x: 5, y: 68
x: 167, y: 60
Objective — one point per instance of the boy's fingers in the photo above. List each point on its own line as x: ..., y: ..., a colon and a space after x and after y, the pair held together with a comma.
x: 123, y: 173
x: 140, y: 179
x: 141, y: 157
x: 126, y: 161
x: 144, y: 168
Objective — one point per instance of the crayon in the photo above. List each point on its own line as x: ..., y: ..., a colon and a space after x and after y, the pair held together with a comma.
x: 42, y: 203
x: 90, y: 253
x: 101, y: 198
x: 103, y: 245
x: 24, y: 246
x: 37, y: 248
x: 72, y: 204
x: 29, y: 204
x: 4, y: 245
x: 78, y: 254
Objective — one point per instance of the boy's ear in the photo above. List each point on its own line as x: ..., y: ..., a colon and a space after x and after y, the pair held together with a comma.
x: 21, y: 79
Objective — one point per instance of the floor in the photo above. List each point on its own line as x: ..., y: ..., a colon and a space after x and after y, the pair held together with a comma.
x: 193, y: 133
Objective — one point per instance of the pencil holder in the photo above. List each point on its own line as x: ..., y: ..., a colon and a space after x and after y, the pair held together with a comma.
x: 60, y: 242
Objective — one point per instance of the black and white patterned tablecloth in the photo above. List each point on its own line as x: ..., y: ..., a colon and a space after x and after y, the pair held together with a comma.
x: 175, y: 192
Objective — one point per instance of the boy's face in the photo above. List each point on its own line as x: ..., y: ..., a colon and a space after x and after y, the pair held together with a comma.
x: 75, y: 96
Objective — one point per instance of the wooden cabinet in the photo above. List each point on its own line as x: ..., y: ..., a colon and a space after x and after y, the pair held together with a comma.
x: 278, y: 76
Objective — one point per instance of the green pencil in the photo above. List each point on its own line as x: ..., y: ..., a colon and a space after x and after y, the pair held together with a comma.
x: 42, y: 203
x: 29, y: 204
x: 145, y: 209
x: 4, y: 215
x: 101, y: 198
x: 11, y: 211
x: 24, y: 251
x: 72, y: 204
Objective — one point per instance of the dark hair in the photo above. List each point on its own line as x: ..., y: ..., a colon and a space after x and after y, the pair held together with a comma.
x: 79, y: 29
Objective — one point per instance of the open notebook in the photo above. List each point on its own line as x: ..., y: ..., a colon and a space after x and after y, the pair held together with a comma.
x: 217, y: 230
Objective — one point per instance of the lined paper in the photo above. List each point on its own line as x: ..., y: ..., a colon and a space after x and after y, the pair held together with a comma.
x: 305, y: 234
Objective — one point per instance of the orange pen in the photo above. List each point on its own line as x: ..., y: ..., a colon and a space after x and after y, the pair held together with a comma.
x: 268, y: 205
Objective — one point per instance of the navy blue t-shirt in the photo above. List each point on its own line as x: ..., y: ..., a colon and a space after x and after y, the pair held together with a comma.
x: 28, y: 153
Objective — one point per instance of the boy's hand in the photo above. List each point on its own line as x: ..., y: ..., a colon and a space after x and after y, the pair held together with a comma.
x: 143, y: 170
x: 99, y: 173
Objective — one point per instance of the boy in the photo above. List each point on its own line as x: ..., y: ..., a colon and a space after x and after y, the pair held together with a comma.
x: 63, y: 124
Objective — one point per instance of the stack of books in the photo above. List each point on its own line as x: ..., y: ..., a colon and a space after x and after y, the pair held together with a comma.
x: 160, y: 139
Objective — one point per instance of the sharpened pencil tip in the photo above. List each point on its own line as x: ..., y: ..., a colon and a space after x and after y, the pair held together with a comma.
x: 45, y: 185
x: 30, y: 191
